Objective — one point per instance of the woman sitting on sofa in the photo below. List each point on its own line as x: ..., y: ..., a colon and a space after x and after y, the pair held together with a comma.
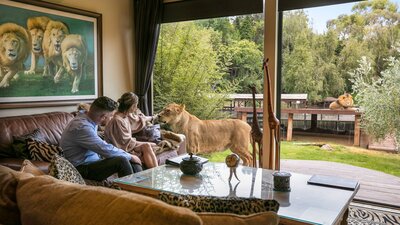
x: 119, y: 130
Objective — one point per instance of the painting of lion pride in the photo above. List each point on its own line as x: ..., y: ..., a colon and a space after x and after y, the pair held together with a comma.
x: 45, y: 55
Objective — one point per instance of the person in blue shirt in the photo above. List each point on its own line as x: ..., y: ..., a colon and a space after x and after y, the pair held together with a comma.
x: 94, y: 158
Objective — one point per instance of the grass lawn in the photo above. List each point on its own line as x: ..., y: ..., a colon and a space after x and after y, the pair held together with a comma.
x: 37, y: 85
x: 381, y: 161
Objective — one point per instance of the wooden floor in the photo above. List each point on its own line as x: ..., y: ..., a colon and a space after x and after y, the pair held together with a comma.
x: 375, y: 186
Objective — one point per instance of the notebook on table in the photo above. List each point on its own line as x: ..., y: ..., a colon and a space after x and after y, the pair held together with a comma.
x: 177, y: 160
x: 334, y: 182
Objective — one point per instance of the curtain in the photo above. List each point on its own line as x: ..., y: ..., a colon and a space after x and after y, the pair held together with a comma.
x: 147, y: 19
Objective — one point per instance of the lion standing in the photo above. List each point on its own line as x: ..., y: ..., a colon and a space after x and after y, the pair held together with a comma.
x: 36, y: 27
x: 209, y: 135
x: 74, y: 53
x: 53, y: 36
x: 14, y: 49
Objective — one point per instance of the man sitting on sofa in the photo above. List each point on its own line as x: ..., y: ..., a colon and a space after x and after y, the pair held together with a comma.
x: 94, y: 158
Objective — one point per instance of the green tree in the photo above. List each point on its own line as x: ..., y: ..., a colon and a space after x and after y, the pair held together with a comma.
x: 186, y: 71
x: 371, y: 30
x: 299, y: 74
x: 379, y: 98
x: 325, y: 64
x: 223, y: 26
x: 244, y: 62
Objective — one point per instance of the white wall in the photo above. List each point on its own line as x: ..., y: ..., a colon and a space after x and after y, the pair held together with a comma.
x: 117, y: 50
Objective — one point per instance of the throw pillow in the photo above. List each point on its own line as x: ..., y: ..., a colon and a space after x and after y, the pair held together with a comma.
x: 42, y: 151
x: 150, y: 133
x: 236, y: 205
x: 28, y: 167
x: 19, y: 143
x: 62, y: 169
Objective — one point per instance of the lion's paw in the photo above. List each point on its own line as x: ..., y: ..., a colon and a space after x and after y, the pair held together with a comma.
x: 73, y: 91
x: 29, y: 72
x: 4, y: 84
x: 57, y: 79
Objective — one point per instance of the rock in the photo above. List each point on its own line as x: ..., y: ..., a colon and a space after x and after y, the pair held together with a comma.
x: 326, y: 147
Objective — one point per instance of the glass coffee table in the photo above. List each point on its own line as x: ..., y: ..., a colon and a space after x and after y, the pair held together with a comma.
x: 304, y: 204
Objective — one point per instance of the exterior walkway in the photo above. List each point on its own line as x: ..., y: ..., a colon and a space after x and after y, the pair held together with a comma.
x: 375, y: 187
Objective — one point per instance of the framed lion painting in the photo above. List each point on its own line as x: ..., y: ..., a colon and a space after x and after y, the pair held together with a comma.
x: 49, y: 54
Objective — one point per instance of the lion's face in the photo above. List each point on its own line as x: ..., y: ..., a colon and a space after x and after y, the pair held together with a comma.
x: 171, y: 113
x: 10, y: 46
x: 346, y: 100
x: 56, y: 37
x: 74, y: 57
x: 37, y: 39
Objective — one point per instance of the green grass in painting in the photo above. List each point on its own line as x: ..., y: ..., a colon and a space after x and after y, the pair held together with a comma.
x: 381, y: 161
x: 37, y: 85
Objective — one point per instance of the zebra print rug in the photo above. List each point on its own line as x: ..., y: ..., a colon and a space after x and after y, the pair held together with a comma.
x: 362, y: 214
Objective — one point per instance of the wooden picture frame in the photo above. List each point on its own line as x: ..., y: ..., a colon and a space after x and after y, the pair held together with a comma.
x: 61, y: 65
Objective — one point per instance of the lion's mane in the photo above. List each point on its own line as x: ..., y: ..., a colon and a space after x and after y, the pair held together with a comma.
x: 48, y: 46
x: 73, y: 41
x: 24, y: 45
x: 39, y: 22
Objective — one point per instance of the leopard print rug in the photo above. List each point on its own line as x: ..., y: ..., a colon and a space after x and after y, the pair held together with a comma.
x: 363, y: 214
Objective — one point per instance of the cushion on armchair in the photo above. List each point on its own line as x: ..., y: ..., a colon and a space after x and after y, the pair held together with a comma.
x: 62, y: 169
x: 19, y: 144
x: 235, y: 205
x: 29, y: 167
x: 42, y: 151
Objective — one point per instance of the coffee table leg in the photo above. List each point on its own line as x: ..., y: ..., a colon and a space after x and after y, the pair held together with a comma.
x: 345, y: 216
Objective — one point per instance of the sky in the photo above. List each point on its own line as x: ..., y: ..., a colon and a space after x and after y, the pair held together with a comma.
x: 320, y: 15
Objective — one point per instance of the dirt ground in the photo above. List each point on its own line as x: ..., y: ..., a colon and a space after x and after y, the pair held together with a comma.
x: 323, y: 138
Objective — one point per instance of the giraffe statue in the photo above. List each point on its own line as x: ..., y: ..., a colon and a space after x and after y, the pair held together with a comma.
x: 256, y: 133
x: 273, y: 122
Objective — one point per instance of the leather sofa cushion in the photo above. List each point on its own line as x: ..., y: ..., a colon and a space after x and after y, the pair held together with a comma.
x: 51, y: 125
x: 46, y: 200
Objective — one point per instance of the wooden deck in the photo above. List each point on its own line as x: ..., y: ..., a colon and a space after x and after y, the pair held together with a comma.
x: 375, y: 186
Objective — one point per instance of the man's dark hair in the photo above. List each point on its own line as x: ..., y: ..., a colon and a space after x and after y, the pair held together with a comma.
x: 103, y: 103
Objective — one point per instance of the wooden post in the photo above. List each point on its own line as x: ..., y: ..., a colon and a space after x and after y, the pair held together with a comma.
x: 314, y: 121
x: 357, y: 132
x: 289, y: 127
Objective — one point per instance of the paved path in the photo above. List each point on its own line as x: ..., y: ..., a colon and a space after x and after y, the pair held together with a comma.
x: 375, y: 186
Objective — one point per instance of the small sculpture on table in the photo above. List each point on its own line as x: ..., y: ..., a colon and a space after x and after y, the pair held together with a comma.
x: 232, y: 161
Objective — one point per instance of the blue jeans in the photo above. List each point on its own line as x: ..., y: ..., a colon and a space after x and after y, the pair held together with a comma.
x: 104, y: 168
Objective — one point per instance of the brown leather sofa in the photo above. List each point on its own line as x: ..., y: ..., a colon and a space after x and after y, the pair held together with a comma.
x: 51, y: 125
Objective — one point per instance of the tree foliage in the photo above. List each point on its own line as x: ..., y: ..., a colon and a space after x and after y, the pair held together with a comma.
x: 186, y: 71
x: 379, y: 98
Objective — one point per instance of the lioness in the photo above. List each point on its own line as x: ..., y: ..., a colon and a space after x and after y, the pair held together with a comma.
x: 344, y: 101
x: 209, y: 135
